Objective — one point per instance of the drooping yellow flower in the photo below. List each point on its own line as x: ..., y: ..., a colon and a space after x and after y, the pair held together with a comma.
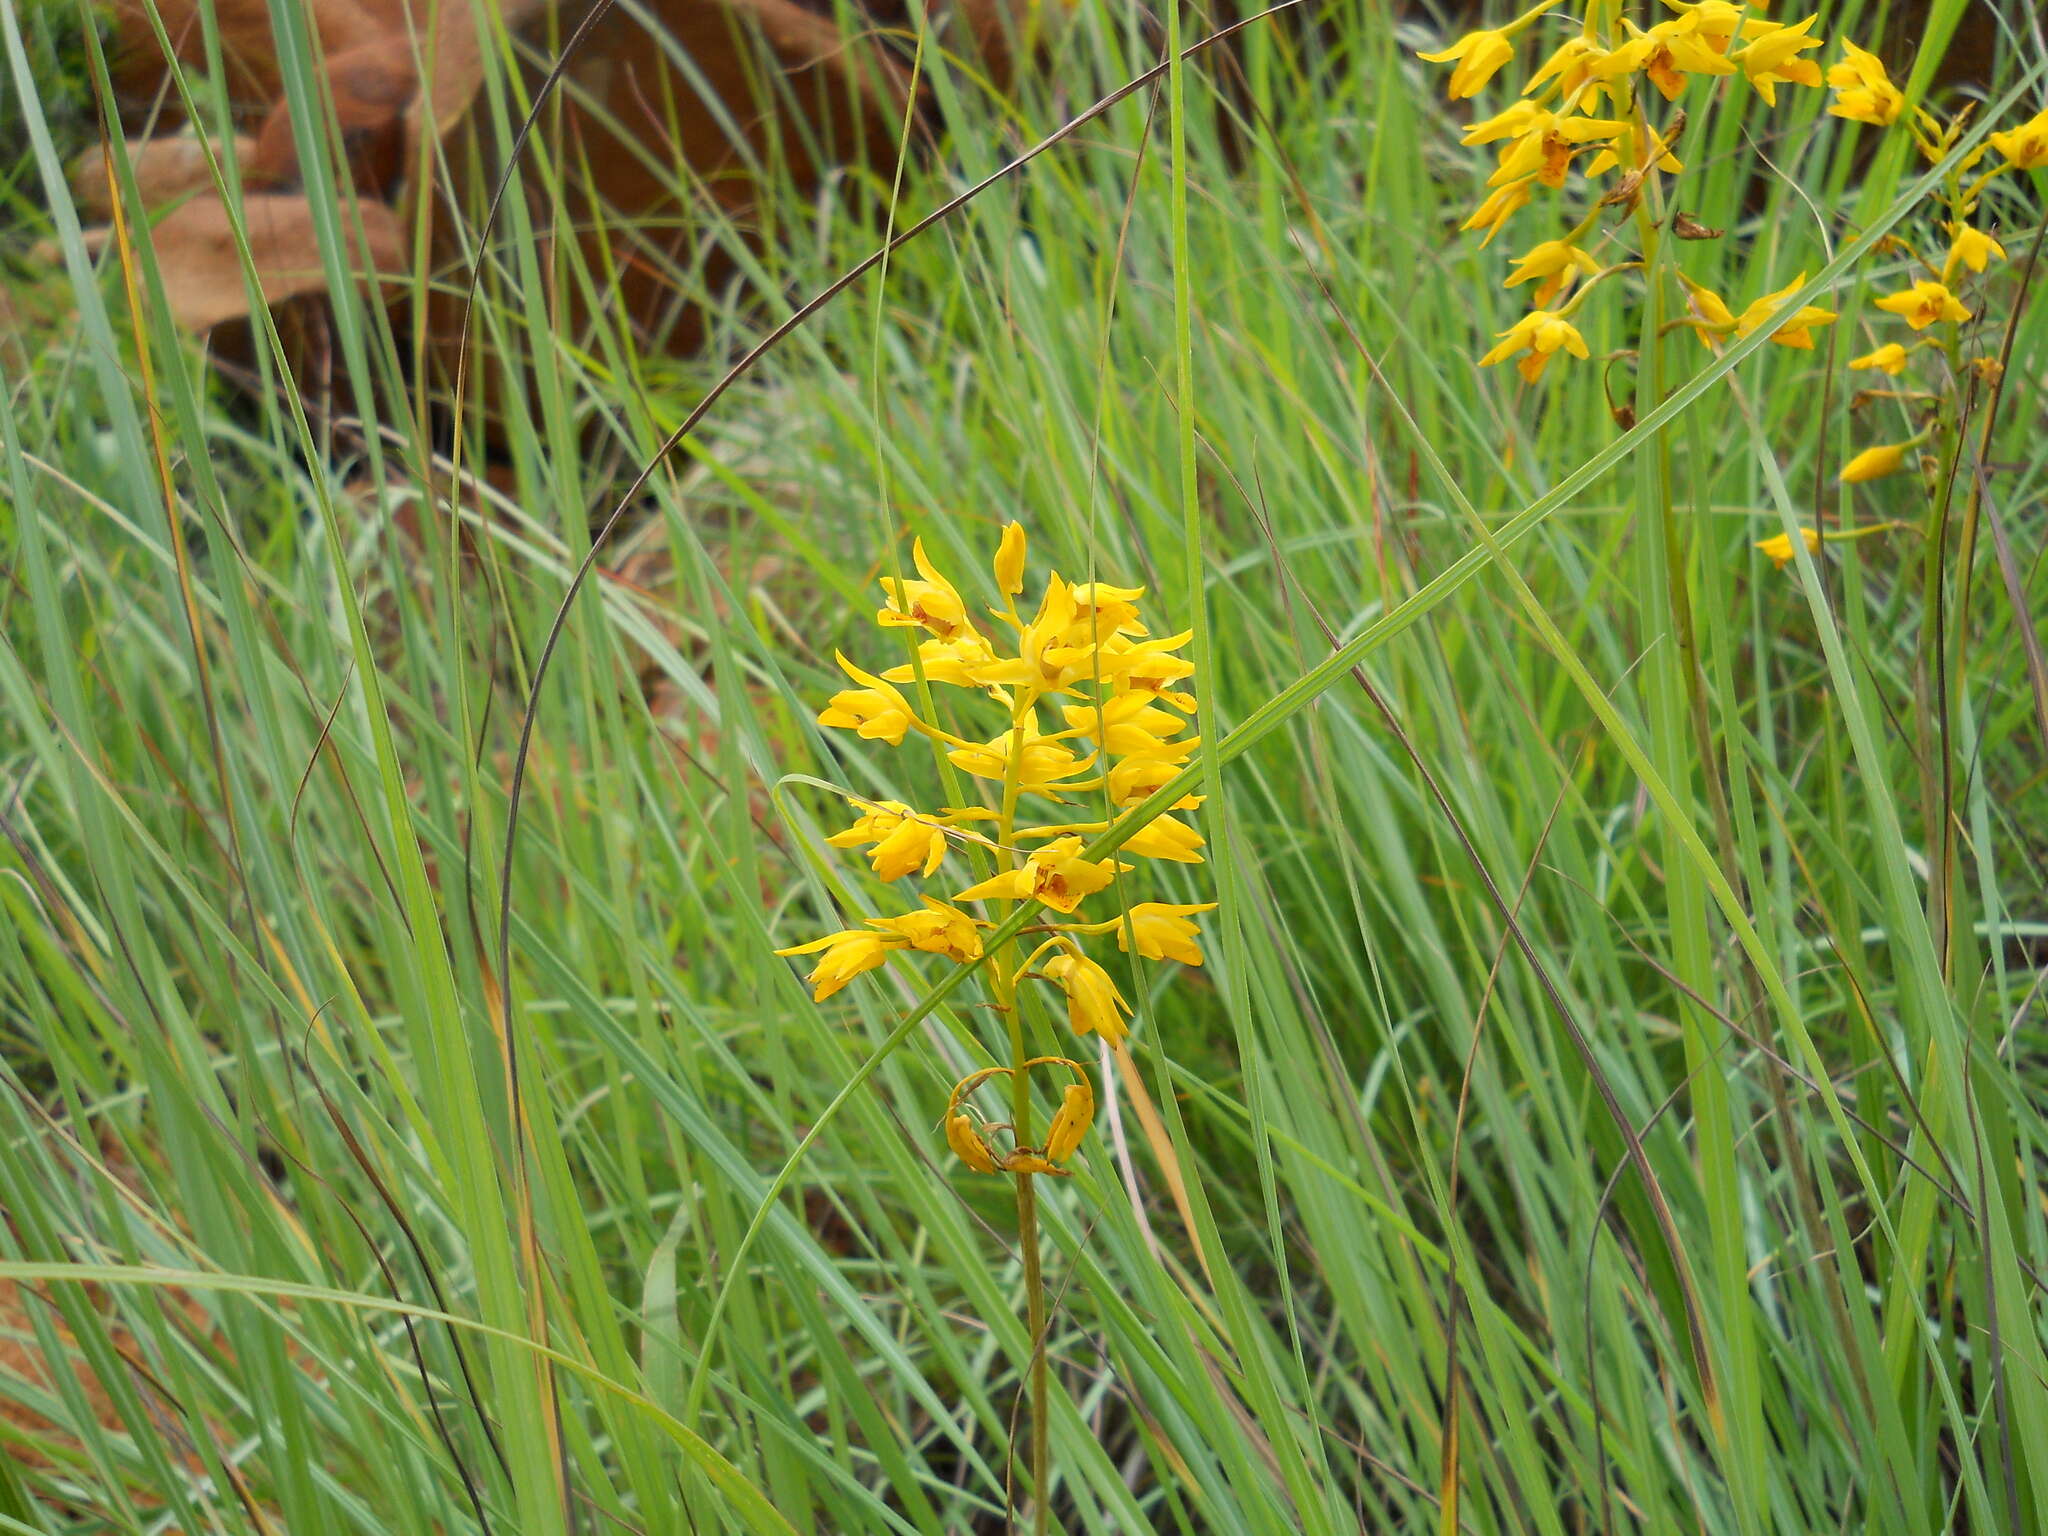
x: 1970, y: 248
x: 1055, y: 875
x: 1149, y: 666
x: 1478, y: 57
x: 1051, y: 655
x: 967, y: 1143
x: 846, y: 954
x: 2026, y: 147
x: 903, y: 841
x: 1864, y: 93
x: 1093, y: 1003
x: 1510, y: 123
x: 1873, y: 463
x: 1773, y: 56
x: 1779, y: 546
x: 1042, y: 762
x: 1135, y: 778
x: 1889, y: 358
x: 1501, y: 205
x: 1165, y: 837
x: 875, y: 710
x: 1024, y: 1160
x: 1606, y: 71
x: 1545, y: 148
x: 1794, y: 330
x: 1163, y: 931
x: 1712, y: 318
x: 1125, y: 724
x: 1102, y: 611
x: 962, y: 661
x: 1623, y: 150
x: 937, y: 930
x: 1009, y: 560
x: 1070, y: 1122
x: 1923, y: 304
x: 930, y: 604
x: 1558, y: 262
x: 1539, y: 336
x: 1677, y: 49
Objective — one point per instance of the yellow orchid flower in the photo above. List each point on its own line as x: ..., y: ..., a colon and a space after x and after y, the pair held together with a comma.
x: 967, y: 1143
x: 1778, y: 547
x: 1070, y: 1122
x: 1501, y: 204
x: 1165, y: 837
x: 1864, y: 93
x: 1874, y: 463
x: 1478, y: 57
x: 1055, y: 875
x: 962, y: 661
x: 1774, y: 57
x: 1585, y: 72
x: 1559, y: 263
x: 1135, y: 778
x: 1125, y: 723
x: 1716, y: 22
x: 1677, y: 49
x: 1149, y: 666
x: 1101, y: 611
x: 2026, y: 147
x: 1511, y: 123
x: 876, y: 710
x: 1923, y: 304
x: 1546, y: 147
x: 1712, y: 318
x: 931, y: 603
x: 1163, y: 931
x: 1889, y: 358
x: 903, y: 841
x: 1093, y: 1003
x: 937, y: 930
x: 1622, y: 150
x: 1794, y: 330
x: 1970, y: 248
x: 1042, y: 763
x: 1539, y: 336
x: 846, y: 955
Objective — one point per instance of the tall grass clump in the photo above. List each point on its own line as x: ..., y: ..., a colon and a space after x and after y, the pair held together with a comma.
x: 1612, y: 1098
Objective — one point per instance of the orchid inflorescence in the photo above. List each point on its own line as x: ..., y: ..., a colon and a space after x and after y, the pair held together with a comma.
x: 1123, y: 710
x: 1949, y: 253
x: 1591, y: 102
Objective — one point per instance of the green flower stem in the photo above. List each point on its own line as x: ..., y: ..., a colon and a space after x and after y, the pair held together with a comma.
x: 1005, y: 983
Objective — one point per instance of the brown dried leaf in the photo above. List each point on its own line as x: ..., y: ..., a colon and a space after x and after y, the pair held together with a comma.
x: 202, y: 274
x: 166, y: 169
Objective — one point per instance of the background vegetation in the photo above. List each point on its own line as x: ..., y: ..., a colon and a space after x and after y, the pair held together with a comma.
x: 1555, y: 1160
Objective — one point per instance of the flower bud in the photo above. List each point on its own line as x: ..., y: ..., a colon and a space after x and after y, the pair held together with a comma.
x: 1872, y: 463
x: 1009, y: 562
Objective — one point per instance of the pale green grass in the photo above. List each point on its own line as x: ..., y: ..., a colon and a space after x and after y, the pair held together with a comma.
x: 1474, y: 903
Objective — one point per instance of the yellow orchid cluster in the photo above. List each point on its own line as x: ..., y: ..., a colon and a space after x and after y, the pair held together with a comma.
x: 1587, y: 104
x: 1590, y: 101
x: 1953, y: 252
x: 1120, y: 699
